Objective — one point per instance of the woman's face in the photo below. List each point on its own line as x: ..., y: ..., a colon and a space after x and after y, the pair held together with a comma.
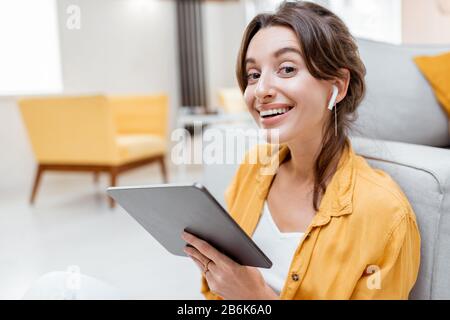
x: 278, y: 81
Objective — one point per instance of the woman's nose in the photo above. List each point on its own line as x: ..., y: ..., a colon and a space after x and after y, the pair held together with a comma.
x: 264, y: 89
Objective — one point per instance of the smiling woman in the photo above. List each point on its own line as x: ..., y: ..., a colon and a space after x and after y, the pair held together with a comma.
x: 333, y: 227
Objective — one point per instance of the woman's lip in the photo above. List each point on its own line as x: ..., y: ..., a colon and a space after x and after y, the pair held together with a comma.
x: 273, y: 120
x: 274, y: 106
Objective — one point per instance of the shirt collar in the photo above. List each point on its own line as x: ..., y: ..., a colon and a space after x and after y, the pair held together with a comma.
x: 337, y: 200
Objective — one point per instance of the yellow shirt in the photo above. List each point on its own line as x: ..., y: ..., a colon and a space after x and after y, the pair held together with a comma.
x: 363, y: 242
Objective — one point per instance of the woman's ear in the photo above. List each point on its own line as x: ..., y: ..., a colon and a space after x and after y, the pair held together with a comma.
x: 342, y: 84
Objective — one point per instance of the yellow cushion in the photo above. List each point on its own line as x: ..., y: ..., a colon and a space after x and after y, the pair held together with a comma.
x: 437, y: 70
x: 134, y: 147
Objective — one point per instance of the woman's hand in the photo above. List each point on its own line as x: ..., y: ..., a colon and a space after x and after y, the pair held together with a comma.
x: 225, y: 277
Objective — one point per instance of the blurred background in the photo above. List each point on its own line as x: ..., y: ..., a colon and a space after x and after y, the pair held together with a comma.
x: 91, y: 92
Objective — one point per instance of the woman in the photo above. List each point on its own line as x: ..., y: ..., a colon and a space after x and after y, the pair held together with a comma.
x: 333, y: 227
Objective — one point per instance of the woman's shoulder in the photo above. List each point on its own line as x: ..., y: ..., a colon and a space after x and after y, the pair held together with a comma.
x: 377, y: 194
x: 382, y: 216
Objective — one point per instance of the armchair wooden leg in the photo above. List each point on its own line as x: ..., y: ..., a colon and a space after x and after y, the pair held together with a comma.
x: 96, y: 177
x: 113, y: 177
x: 37, y: 180
x: 163, y: 169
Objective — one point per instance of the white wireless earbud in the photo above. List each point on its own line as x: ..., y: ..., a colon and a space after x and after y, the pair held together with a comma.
x: 333, y: 98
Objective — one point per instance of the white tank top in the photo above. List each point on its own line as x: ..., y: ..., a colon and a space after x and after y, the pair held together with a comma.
x: 279, y: 248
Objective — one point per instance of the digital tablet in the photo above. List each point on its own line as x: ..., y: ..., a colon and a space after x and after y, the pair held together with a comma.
x: 166, y: 210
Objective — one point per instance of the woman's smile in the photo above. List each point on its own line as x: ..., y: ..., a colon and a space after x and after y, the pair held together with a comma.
x: 271, y: 115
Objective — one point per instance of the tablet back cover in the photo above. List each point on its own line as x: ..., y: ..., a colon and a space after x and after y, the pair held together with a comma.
x: 166, y: 210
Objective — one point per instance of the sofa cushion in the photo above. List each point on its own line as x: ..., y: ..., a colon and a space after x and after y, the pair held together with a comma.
x: 400, y: 104
x: 437, y: 70
x: 134, y: 147
x: 423, y: 173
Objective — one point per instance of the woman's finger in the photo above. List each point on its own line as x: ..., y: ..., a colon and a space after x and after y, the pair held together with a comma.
x: 197, y: 255
x: 206, y: 249
x: 209, y: 278
x: 198, y: 263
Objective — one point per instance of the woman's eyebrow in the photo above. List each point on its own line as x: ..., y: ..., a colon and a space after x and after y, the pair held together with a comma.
x: 286, y: 50
x: 277, y: 54
x: 249, y: 60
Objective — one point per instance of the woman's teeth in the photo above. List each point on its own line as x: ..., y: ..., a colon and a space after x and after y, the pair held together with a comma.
x: 273, y: 112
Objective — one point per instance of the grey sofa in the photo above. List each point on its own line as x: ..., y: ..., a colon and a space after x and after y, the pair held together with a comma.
x: 402, y: 130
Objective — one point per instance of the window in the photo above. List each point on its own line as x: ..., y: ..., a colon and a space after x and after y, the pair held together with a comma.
x: 30, y: 55
x: 371, y: 19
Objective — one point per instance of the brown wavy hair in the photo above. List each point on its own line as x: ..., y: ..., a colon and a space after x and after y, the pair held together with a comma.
x: 327, y: 47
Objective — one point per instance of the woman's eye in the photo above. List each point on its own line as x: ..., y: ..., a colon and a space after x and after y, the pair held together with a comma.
x: 287, y: 70
x: 253, y: 76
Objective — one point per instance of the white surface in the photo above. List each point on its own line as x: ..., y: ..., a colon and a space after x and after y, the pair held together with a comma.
x: 67, y: 285
x: 278, y: 246
x: 72, y: 225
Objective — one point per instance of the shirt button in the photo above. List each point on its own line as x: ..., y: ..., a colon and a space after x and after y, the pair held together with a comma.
x: 295, y: 277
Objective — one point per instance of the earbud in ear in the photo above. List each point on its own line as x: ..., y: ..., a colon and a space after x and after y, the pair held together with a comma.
x: 333, y: 98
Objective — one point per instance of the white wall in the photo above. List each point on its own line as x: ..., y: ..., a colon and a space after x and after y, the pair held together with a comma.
x: 124, y: 46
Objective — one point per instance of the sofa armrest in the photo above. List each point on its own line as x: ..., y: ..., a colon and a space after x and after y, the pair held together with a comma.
x: 423, y: 173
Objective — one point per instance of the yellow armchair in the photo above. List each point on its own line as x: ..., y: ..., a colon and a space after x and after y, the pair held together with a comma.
x: 96, y: 133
